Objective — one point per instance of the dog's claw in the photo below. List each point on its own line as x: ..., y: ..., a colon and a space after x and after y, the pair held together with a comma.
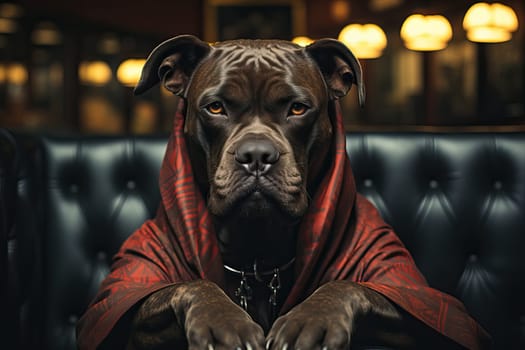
x: 285, y: 346
x: 248, y: 346
x: 210, y: 347
x: 269, y: 343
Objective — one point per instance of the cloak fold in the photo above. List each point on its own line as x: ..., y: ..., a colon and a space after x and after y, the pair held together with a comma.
x: 342, y: 237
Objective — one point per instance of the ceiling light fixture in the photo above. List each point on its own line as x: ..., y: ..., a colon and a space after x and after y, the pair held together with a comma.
x: 364, y: 40
x: 426, y: 33
x: 490, y: 23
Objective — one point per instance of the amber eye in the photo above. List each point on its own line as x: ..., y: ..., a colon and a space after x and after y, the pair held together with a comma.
x: 297, y: 109
x: 215, y: 108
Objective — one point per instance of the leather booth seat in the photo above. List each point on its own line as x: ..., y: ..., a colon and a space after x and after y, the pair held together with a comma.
x: 457, y: 200
x: 16, y: 228
x: 458, y: 203
x: 88, y: 195
x: 8, y: 165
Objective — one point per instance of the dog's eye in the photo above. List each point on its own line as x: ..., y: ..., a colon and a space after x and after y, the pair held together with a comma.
x: 215, y: 108
x: 298, y: 109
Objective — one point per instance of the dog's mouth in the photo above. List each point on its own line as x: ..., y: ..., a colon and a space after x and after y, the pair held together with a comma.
x: 256, y: 196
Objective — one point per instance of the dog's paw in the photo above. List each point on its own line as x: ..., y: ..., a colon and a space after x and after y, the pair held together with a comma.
x: 320, y: 322
x: 214, y: 322
x: 298, y: 331
x: 226, y: 334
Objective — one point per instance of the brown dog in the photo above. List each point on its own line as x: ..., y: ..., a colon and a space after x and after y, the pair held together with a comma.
x: 258, y: 130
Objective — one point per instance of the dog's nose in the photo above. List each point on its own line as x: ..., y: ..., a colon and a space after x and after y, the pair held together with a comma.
x: 257, y: 155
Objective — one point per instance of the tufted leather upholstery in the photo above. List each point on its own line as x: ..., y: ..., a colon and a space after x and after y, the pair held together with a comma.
x: 457, y: 200
x: 92, y: 193
x: 458, y: 203
x: 7, y: 197
x: 18, y: 236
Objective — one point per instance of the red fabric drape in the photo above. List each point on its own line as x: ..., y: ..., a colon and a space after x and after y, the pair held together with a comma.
x: 342, y: 237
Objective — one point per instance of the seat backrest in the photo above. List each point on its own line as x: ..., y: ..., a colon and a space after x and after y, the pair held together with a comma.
x: 457, y: 201
x: 93, y: 193
x: 8, y: 290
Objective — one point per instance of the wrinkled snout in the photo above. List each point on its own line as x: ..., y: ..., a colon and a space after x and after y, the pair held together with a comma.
x: 256, y: 154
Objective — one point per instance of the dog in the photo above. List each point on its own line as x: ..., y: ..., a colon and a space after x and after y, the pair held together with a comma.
x: 258, y: 133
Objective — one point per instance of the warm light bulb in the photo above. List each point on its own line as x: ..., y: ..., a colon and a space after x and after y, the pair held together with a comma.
x: 16, y: 74
x: 7, y: 26
x: 129, y: 71
x: 3, y: 74
x: 302, y: 41
x: 426, y: 33
x: 95, y: 73
x: 490, y: 23
x: 364, y: 40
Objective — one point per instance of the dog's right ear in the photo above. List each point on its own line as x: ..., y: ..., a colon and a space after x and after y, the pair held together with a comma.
x: 173, y: 62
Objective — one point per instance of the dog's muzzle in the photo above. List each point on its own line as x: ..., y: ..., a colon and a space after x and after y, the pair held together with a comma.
x: 256, y: 155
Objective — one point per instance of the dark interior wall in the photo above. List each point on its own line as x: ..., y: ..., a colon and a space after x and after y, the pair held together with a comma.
x: 141, y: 25
x: 158, y: 17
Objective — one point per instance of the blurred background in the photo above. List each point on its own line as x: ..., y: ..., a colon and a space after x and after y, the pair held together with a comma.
x: 70, y: 66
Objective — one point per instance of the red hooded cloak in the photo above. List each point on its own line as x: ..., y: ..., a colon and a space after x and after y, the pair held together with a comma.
x: 342, y: 237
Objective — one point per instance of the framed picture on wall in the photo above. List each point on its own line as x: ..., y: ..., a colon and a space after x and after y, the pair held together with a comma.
x: 253, y: 19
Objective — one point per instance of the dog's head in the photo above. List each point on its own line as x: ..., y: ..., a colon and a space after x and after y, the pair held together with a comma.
x: 257, y: 118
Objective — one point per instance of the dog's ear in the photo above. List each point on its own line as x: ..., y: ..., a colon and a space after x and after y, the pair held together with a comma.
x: 339, y: 66
x: 173, y: 62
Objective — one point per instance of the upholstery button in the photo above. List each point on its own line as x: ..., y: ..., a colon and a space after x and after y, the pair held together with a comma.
x: 367, y: 183
x: 473, y: 258
x: 73, y: 319
x: 73, y: 188
x: 102, y: 256
x: 131, y: 185
x: 498, y: 185
x: 433, y: 184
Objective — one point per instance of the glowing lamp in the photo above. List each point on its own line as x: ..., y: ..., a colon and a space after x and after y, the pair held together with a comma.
x: 128, y: 73
x: 364, y: 40
x: 16, y: 74
x: 46, y: 33
x: 3, y: 74
x: 302, y: 41
x: 95, y: 73
x: 7, y: 26
x: 10, y: 10
x: 426, y: 33
x: 340, y: 10
x: 490, y: 23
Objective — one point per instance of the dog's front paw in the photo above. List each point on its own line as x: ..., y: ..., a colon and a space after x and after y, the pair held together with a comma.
x: 320, y: 322
x: 305, y: 331
x: 213, y: 321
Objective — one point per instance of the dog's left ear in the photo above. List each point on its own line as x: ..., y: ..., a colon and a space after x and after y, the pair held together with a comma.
x: 339, y: 66
x: 173, y: 62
